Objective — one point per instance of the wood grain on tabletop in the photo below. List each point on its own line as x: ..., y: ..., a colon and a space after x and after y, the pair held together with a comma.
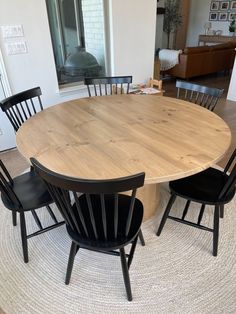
x: 114, y: 136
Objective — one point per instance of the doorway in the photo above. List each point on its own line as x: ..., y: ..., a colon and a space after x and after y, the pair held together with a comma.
x: 177, y: 39
x: 7, y: 136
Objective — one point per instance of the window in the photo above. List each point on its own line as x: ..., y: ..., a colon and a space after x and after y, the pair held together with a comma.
x: 77, y: 32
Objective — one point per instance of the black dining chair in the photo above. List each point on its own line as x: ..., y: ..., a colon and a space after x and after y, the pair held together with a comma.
x: 26, y: 192
x: 101, y: 219
x: 20, y: 107
x: 209, y: 187
x: 99, y: 86
x: 204, y: 96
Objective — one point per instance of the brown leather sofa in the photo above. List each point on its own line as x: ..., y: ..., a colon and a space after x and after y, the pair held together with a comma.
x: 196, y: 61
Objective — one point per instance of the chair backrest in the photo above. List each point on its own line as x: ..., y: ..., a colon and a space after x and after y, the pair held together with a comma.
x: 6, y: 182
x: 155, y: 83
x: 92, y: 222
x: 108, y: 85
x: 157, y: 69
x: 204, y: 96
x: 22, y: 106
x: 229, y: 185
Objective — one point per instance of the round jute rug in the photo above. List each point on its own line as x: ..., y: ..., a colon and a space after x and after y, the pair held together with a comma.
x: 173, y: 273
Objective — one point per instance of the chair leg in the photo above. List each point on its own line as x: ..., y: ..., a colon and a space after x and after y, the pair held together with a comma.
x: 141, y: 238
x: 201, y: 214
x: 14, y: 218
x: 73, y: 250
x: 36, y: 218
x: 125, y: 274
x: 166, y: 213
x: 185, y: 209
x: 51, y: 213
x: 131, y: 253
x: 221, y: 211
x: 24, y: 237
x: 216, y: 229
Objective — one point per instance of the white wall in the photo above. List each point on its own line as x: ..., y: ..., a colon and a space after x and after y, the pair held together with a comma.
x: 132, y: 45
x: 199, y: 15
x: 133, y: 38
x: 37, y: 66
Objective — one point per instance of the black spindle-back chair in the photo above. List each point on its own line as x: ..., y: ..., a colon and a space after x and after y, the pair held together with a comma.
x: 210, y: 187
x: 204, y: 96
x: 98, y: 86
x: 22, y: 106
x: 101, y: 219
x: 26, y: 192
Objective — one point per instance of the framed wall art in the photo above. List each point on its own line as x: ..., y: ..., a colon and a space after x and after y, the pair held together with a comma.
x: 215, y: 5
x: 222, y: 10
x: 223, y: 16
x: 233, y: 5
x: 232, y: 16
x: 213, y: 16
x: 224, y: 5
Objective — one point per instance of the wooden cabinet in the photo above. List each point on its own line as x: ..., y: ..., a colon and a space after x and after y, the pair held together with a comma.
x: 214, y: 39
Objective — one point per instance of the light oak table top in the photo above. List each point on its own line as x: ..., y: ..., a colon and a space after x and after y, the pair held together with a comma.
x: 114, y: 136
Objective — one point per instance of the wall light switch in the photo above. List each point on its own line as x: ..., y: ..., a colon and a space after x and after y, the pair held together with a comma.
x: 15, y: 48
x: 11, y: 31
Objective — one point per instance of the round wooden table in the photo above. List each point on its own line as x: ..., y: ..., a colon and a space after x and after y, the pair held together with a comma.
x: 114, y: 136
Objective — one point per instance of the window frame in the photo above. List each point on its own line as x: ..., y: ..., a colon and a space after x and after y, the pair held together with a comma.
x: 66, y: 87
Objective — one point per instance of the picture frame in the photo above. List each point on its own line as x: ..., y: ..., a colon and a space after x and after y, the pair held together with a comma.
x: 233, y: 5
x: 224, y: 5
x: 223, y: 16
x: 232, y: 15
x: 215, y: 5
x: 213, y: 16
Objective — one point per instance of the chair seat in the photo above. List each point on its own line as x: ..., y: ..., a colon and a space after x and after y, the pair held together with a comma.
x: 30, y: 190
x: 209, y: 187
x: 203, y: 187
x: 111, y: 243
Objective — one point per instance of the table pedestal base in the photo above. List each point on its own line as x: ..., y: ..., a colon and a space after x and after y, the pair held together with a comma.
x: 149, y: 194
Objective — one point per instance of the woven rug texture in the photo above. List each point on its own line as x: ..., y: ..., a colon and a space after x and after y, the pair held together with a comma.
x: 173, y: 273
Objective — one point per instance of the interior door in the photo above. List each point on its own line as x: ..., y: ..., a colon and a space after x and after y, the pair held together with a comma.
x: 7, y: 135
